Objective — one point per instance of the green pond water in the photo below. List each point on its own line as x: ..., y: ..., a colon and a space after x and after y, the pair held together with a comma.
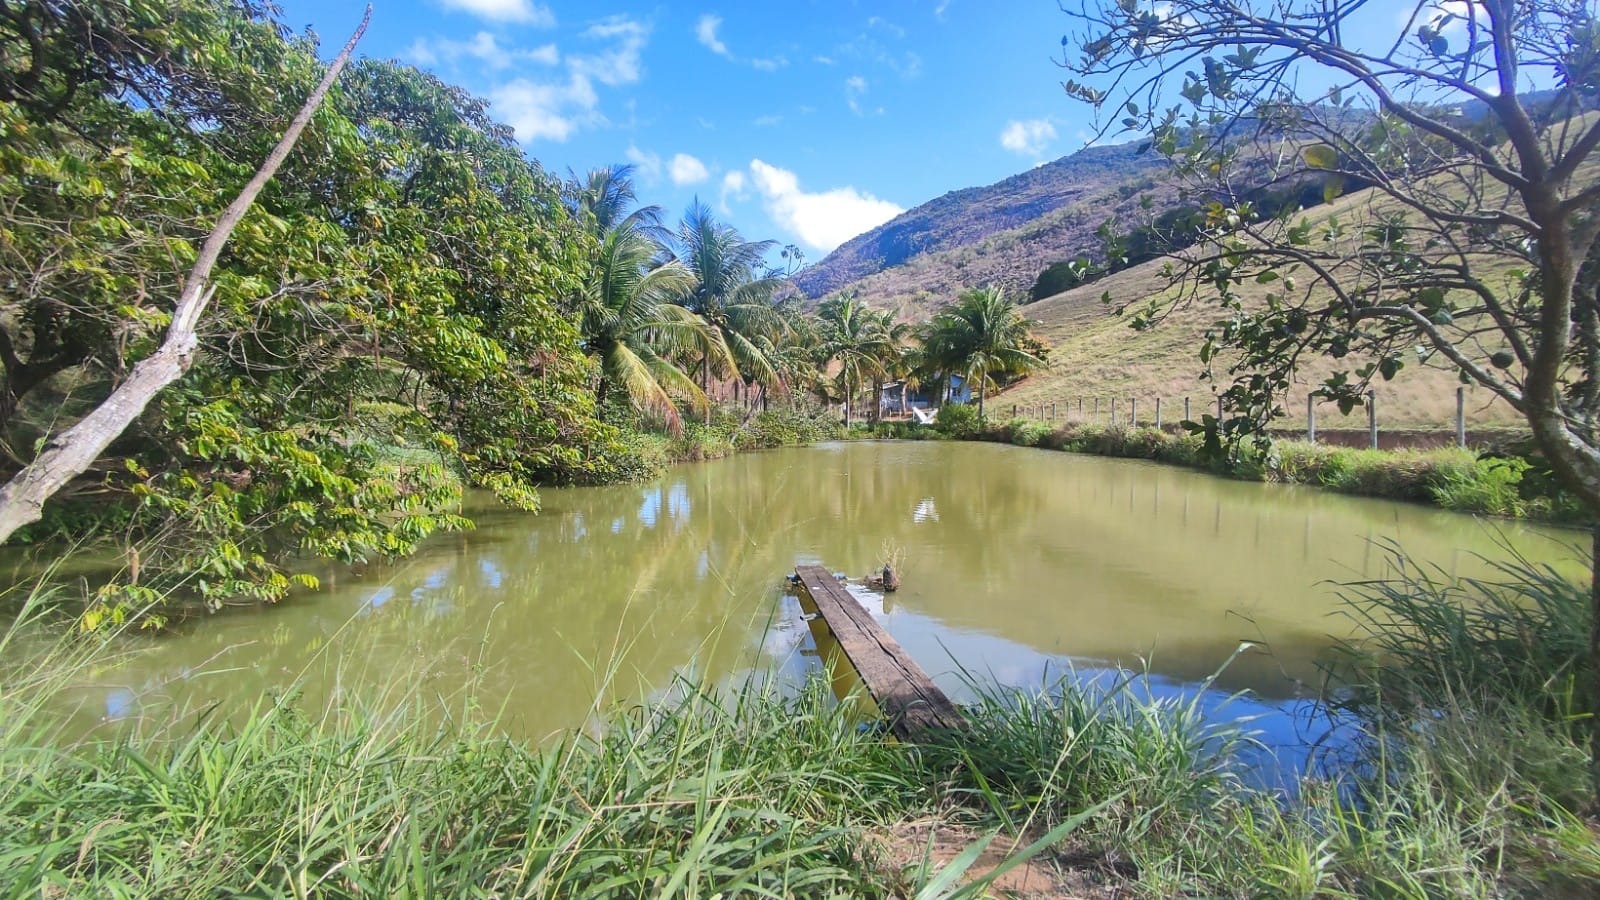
x: 1016, y: 565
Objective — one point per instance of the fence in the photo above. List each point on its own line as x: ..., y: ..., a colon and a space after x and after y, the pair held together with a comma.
x: 1063, y: 412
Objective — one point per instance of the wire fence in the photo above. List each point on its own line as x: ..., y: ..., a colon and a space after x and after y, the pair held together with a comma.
x: 1162, y: 415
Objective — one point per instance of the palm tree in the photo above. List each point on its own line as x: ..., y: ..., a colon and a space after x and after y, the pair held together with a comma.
x: 633, y: 326
x: 797, y: 353
x: 631, y: 320
x: 853, y: 337
x: 894, y: 355
x: 602, y: 200
x: 983, y: 333
x: 733, y: 292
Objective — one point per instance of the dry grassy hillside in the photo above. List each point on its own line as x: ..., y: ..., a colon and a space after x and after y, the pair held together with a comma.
x: 1011, y: 259
x: 1096, y: 354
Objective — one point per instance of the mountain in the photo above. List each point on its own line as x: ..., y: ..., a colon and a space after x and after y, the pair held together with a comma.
x: 1007, y: 233
x: 1004, y: 233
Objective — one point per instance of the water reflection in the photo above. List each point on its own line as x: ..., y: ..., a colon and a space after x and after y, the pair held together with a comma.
x: 1016, y: 563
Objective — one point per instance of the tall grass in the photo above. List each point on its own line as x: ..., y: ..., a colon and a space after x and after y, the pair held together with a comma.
x: 690, y: 796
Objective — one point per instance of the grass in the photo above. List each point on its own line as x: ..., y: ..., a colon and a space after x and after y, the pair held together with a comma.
x: 731, y: 430
x: 1467, y: 778
x: 1467, y: 481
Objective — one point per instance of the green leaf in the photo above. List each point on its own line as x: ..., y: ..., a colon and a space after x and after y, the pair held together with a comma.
x: 1332, y: 188
x: 1321, y: 156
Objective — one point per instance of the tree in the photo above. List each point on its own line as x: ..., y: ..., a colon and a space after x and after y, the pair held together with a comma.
x: 733, y: 291
x: 605, y: 200
x: 1474, y: 249
x: 388, y: 321
x: 69, y: 454
x: 633, y: 325
x: 982, y: 334
x: 854, y: 339
x: 894, y: 360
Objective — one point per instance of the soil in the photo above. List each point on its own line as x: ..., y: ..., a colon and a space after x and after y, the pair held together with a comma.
x: 1065, y: 872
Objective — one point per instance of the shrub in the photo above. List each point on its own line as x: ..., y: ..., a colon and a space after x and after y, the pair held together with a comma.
x: 958, y: 420
x: 788, y: 426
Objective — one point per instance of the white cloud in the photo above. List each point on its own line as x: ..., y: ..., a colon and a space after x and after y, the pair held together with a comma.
x: 869, y: 48
x: 705, y: 31
x: 1029, y: 138
x: 821, y: 220
x: 646, y: 165
x: 733, y: 185
x: 525, y: 12
x: 886, y: 25
x: 686, y: 170
x: 546, y: 111
x: 483, y: 47
x: 555, y: 110
x: 622, y: 64
x: 855, y: 87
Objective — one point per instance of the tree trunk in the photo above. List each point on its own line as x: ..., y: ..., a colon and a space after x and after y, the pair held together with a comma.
x: 983, y: 382
x: 705, y: 384
x: 68, y: 454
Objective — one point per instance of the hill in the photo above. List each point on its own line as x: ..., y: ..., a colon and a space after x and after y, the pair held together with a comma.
x: 1005, y: 233
x: 1095, y: 354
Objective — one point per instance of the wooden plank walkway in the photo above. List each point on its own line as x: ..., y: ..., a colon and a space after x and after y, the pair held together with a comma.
x: 906, y: 695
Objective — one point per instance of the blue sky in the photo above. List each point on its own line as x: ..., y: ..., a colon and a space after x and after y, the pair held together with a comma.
x: 806, y: 122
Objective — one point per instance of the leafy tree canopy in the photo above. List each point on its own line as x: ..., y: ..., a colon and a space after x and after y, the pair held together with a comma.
x: 1475, y: 247
x: 1473, y: 125
x: 390, y: 319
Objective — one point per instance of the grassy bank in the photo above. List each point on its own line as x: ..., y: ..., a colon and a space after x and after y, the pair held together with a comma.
x: 731, y: 430
x: 1499, y: 483
x: 1468, y: 779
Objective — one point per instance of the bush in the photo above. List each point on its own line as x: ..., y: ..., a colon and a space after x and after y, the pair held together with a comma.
x: 1021, y: 432
x: 958, y: 420
x: 788, y: 426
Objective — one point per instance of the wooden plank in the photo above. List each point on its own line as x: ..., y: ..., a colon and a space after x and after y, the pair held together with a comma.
x: 909, y: 699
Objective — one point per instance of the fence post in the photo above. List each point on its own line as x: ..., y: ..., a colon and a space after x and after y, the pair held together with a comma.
x: 1186, y: 410
x: 1133, y: 412
x: 1311, y: 418
x: 1158, y: 413
x: 1080, y: 409
x: 1219, y: 409
x: 1097, y: 408
x: 1013, y: 410
x: 1052, y: 412
x: 1113, y: 410
x: 1372, y: 417
x: 1461, y: 416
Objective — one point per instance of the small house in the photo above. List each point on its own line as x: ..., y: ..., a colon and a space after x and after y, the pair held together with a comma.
x: 897, y: 396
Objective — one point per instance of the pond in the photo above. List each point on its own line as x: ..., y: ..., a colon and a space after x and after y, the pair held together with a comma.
x: 1017, y: 565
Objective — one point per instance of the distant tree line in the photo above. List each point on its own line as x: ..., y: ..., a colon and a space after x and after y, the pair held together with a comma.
x: 1171, y: 230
